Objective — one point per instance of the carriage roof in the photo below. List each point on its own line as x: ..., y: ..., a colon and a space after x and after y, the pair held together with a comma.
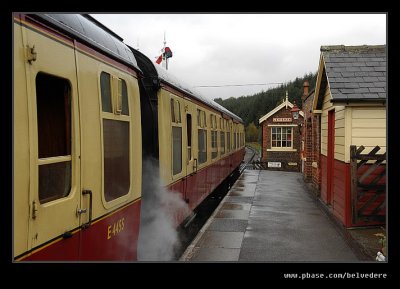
x: 95, y: 34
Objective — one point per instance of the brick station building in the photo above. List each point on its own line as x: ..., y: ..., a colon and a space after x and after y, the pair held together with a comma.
x: 281, y: 138
x: 311, y: 139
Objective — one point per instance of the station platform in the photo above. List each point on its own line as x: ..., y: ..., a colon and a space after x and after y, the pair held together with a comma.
x: 269, y: 216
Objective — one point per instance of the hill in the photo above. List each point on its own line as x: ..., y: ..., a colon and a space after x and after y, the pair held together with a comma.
x: 251, y: 108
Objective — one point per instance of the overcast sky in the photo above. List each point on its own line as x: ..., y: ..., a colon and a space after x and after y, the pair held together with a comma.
x: 237, y: 49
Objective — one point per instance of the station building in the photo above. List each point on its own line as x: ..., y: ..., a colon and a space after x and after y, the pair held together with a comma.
x: 281, y: 137
x: 345, y: 128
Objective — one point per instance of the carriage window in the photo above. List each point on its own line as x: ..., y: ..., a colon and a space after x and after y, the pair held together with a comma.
x: 201, y: 118
x: 54, y: 181
x: 124, y: 95
x: 116, y: 158
x: 202, y: 134
x: 175, y: 111
x: 53, y: 102
x: 213, y: 125
x: 177, y: 149
x: 176, y: 137
x: 236, y: 140
x: 214, y: 148
x: 172, y: 110
x: 189, y: 135
x: 105, y: 86
x: 222, y: 143
x: 228, y: 141
x: 116, y: 137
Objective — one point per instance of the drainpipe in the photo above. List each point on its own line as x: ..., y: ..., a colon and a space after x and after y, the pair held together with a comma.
x: 262, y: 141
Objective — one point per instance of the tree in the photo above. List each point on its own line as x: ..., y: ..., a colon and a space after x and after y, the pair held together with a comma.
x: 251, y: 108
x: 251, y: 132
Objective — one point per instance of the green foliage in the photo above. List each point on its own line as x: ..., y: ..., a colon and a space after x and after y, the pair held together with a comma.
x: 382, y: 242
x: 251, y: 108
x: 251, y: 132
x: 254, y: 145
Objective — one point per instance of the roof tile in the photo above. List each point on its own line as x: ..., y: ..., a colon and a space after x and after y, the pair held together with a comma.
x: 348, y: 74
x: 353, y: 68
x: 377, y: 89
x: 380, y: 68
x: 382, y: 94
x: 361, y: 73
x: 380, y: 84
x: 379, y: 73
x: 373, y: 63
x: 347, y: 90
x: 351, y: 85
x: 370, y: 78
x: 366, y: 84
x: 365, y: 68
x: 361, y: 90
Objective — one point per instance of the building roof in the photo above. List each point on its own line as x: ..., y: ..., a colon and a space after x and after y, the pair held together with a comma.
x: 355, y: 72
x: 286, y: 102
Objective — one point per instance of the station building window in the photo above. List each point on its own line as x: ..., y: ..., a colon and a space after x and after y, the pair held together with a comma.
x: 281, y: 137
x: 53, y: 103
x: 116, y: 136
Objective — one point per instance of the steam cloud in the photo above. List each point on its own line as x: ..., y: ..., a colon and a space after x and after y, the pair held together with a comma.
x: 158, y: 237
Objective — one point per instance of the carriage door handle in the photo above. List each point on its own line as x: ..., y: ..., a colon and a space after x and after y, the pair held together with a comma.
x: 88, y: 192
x: 195, y: 165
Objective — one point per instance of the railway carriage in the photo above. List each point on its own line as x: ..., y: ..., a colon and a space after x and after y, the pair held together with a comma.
x: 88, y: 112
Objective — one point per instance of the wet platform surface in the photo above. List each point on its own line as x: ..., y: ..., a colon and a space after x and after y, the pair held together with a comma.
x: 268, y: 216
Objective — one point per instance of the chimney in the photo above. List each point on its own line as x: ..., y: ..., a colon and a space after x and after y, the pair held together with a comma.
x: 306, y: 85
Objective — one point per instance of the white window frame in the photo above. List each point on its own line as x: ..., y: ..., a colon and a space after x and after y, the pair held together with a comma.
x: 288, y: 149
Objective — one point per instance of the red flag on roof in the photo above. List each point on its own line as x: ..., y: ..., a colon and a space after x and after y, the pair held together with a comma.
x: 159, y: 59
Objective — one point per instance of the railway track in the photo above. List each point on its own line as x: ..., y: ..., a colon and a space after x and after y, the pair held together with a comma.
x: 249, y: 160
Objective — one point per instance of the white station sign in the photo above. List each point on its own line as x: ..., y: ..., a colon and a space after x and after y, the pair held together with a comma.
x: 282, y: 119
x: 274, y: 164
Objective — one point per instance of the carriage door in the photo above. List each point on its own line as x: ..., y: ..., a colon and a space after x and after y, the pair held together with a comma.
x: 191, y: 150
x: 54, y: 193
